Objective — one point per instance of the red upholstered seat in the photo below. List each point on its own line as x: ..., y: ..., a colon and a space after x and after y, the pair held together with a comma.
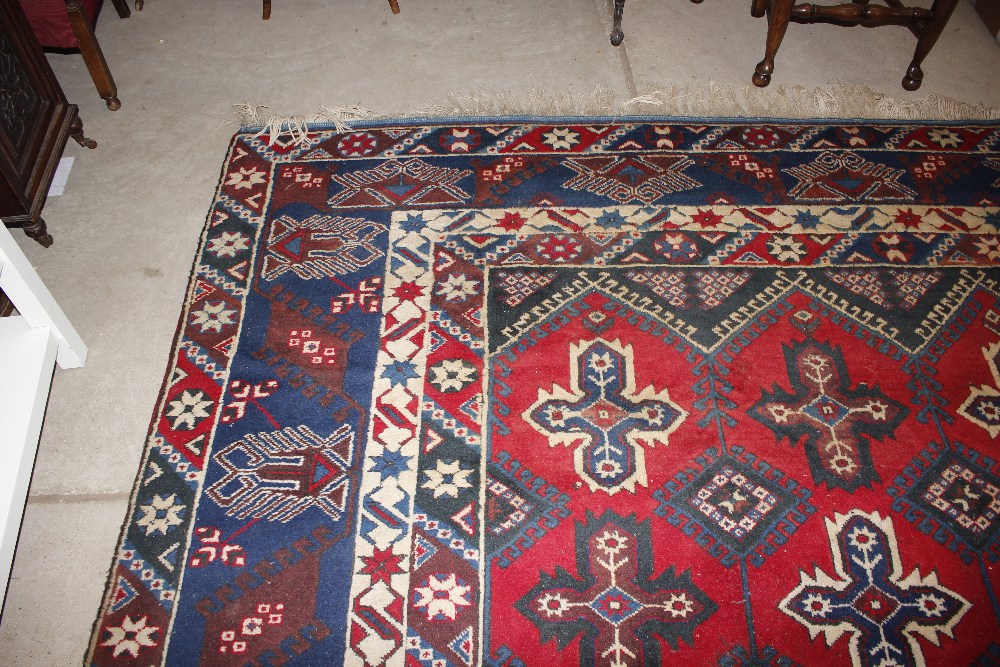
x: 50, y: 21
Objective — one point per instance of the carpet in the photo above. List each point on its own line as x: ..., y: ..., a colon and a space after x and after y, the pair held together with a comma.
x: 591, y: 393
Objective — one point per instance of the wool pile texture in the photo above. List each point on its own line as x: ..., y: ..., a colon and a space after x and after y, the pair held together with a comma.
x: 579, y: 392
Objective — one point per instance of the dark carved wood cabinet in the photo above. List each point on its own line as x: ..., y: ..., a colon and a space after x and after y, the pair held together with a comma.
x: 35, y: 122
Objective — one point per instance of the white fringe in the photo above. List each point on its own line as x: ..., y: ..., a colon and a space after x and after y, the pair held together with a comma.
x: 274, y: 126
x: 711, y: 101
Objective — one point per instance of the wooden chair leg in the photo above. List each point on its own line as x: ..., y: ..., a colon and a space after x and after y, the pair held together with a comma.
x: 616, y: 29
x: 121, y: 6
x: 267, y: 9
x: 941, y: 10
x: 779, y: 12
x: 759, y: 8
x: 394, y: 6
x: 92, y: 54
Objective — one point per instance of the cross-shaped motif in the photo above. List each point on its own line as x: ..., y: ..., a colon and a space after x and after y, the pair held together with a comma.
x: 605, y: 416
x: 616, y: 603
x: 833, y: 417
x: 869, y: 599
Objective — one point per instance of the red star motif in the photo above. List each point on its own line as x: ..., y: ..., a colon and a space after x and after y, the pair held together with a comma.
x: 706, y: 218
x: 381, y: 565
x: 908, y: 218
x: 511, y: 221
x: 408, y: 291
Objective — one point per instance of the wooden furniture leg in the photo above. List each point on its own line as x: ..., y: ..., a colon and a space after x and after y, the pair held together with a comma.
x: 76, y: 131
x: 779, y: 13
x: 758, y: 9
x: 92, y: 54
x: 267, y: 9
x: 941, y: 11
x: 394, y: 6
x: 122, y: 8
x: 616, y: 29
x: 37, y: 229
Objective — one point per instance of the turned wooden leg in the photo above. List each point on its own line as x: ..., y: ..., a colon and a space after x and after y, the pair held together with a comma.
x: 394, y: 6
x: 941, y: 10
x: 122, y: 8
x: 37, y: 230
x: 267, y: 9
x: 757, y: 9
x: 616, y: 29
x: 778, y: 14
x: 76, y: 131
x: 92, y: 54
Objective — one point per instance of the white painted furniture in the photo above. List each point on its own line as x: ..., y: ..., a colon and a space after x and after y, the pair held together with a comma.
x: 31, y: 343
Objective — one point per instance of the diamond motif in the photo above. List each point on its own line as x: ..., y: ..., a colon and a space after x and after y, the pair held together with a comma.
x: 628, y: 179
x: 876, y: 605
x: 615, y: 605
x: 966, y: 498
x: 740, y: 501
x: 735, y: 506
x: 827, y: 410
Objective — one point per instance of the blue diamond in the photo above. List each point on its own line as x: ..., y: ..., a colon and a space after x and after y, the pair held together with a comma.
x: 825, y: 409
x: 615, y: 605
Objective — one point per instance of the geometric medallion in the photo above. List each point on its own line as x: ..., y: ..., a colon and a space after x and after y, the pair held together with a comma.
x: 320, y: 246
x: 958, y: 490
x: 278, y: 475
x: 623, y: 612
x: 743, y: 505
x: 869, y: 599
x: 631, y: 179
x: 605, y: 416
x: 846, y: 176
x: 833, y: 417
x: 412, y: 181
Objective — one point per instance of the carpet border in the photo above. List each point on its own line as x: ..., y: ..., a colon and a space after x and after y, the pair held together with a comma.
x: 252, y: 120
x: 168, y: 368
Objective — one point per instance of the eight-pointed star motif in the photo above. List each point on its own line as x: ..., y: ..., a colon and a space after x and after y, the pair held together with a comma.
x: 452, y: 375
x: 130, y: 637
x: 187, y: 409
x: 457, y: 287
x: 160, y: 514
x: 246, y: 178
x: 441, y: 596
x: 447, y: 479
